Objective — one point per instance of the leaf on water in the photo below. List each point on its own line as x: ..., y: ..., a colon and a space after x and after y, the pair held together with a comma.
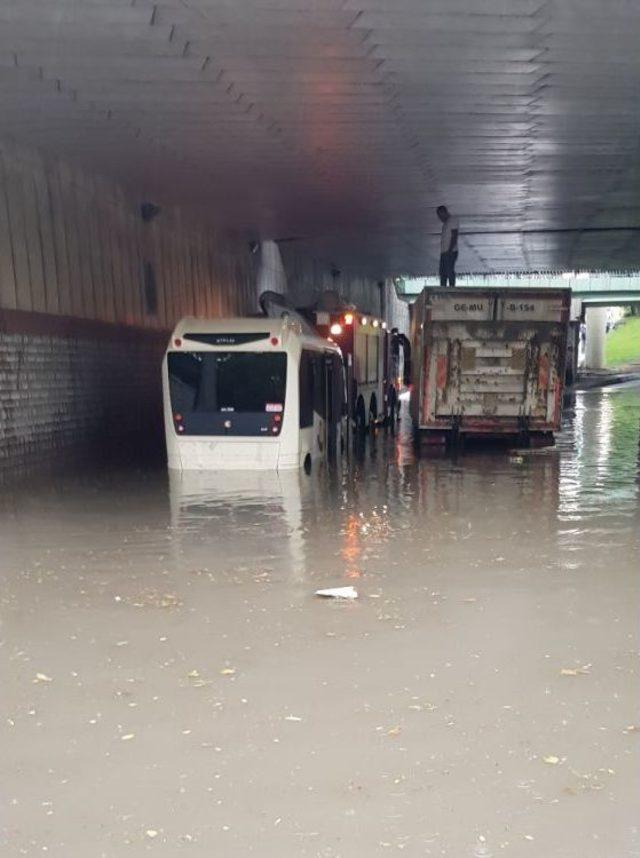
x: 151, y: 832
x: 576, y: 671
x: 292, y: 718
x: 42, y: 677
x: 149, y: 598
x: 228, y: 671
x: 127, y: 737
x: 394, y: 731
x: 193, y: 674
x: 551, y: 760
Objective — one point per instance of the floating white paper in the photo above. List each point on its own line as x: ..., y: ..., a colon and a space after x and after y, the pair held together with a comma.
x: 338, y: 593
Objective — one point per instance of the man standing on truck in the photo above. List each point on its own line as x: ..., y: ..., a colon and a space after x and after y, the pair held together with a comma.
x: 448, y: 246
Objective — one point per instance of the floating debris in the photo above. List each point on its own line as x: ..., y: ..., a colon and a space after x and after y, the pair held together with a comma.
x: 42, y: 677
x: 576, y: 671
x: 338, y: 593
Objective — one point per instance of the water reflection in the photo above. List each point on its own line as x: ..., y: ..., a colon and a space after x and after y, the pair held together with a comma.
x: 385, y: 506
x: 255, y: 515
x: 599, y: 465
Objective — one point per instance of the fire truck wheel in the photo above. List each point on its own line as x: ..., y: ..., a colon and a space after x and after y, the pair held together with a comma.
x: 373, y: 411
x: 392, y: 398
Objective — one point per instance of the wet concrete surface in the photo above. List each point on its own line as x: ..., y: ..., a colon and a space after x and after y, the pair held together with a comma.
x: 172, y: 686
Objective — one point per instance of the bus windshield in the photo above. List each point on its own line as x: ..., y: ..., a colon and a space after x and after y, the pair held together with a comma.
x: 217, y: 385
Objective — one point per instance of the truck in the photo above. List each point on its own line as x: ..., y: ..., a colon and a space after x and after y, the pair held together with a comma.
x: 488, y: 363
x: 376, y: 360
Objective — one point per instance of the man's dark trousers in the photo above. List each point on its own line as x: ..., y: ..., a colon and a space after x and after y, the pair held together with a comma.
x: 448, y: 268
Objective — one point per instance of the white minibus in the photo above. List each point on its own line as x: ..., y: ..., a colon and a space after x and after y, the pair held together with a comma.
x: 251, y: 393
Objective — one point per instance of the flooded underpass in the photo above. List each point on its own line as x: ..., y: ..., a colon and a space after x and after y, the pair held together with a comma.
x: 171, y: 685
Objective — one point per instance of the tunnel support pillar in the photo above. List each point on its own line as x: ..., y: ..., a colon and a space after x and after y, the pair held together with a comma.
x: 596, y: 319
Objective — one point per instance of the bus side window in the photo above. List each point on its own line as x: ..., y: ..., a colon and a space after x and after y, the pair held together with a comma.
x: 338, y: 388
x: 306, y: 382
x: 319, y: 382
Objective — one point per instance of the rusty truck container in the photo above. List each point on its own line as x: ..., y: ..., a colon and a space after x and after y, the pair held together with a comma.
x: 489, y: 362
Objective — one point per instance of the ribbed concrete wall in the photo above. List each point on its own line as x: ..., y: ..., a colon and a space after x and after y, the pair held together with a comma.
x: 88, y: 293
x: 76, y: 245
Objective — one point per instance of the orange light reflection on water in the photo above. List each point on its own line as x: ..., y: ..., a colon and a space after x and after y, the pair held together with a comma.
x: 352, y: 549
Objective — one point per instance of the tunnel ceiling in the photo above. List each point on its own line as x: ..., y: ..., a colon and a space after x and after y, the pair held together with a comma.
x: 343, y: 124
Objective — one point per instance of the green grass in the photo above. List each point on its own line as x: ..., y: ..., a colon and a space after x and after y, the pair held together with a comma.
x: 623, y: 344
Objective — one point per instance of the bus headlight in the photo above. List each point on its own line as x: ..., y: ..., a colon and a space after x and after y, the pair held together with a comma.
x: 335, y: 329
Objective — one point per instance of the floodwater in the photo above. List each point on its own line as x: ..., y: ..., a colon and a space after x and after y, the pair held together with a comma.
x: 171, y: 686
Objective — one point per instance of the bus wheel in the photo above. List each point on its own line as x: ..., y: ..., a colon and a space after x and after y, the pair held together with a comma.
x: 361, y: 422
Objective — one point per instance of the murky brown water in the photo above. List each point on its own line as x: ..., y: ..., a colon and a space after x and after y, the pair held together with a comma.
x: 171, y: 685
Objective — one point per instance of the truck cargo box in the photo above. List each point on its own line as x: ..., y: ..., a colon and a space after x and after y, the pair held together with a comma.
x: 489, y: 362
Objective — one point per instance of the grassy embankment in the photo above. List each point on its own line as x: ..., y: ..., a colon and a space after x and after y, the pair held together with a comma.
x: 623, y: 344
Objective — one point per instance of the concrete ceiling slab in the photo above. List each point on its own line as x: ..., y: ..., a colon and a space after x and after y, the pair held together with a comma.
x: 343, y: 123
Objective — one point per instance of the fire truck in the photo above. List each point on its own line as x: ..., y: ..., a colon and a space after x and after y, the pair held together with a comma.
x: 374, y: 358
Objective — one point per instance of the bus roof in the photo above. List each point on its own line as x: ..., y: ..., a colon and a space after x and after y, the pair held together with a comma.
x: 249, y: 325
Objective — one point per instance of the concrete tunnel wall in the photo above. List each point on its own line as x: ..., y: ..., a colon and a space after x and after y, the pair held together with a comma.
x: 88, y: 295
x: 88, y: 292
